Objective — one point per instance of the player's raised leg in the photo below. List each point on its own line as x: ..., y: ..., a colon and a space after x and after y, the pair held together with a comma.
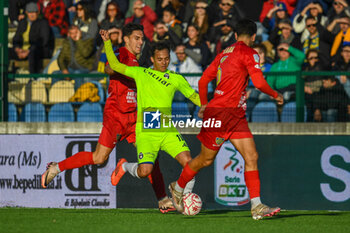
x: 77, y: 160
x: 246, y: 147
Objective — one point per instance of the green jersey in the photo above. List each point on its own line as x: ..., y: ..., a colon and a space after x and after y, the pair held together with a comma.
x: 155, y: 89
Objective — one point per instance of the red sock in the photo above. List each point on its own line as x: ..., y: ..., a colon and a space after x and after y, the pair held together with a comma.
x: 156, y: 179
x: 75, y: 161
x: 187, y: 175
x: 252, y: 181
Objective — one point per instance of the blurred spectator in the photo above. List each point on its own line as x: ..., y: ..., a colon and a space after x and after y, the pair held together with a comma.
x: 162, y: 33
x: 149, y: 3
x: 340, y: 9
x: 85, y: 22
x: 252, y: 92
x: 300, y: 6
x: 177, y: 5
x: 71, y: 9
x: 312, y: 83
x: 116, y: 37
x: 332, y: 103
x: 342, y: 38
x: 143, y: 15
x: 274, y: 16
x: 290, y: 59
x: 311, y: 10
x: 343, y: 64
x: 184, y: 64
x: 318, y: 38
x: 228, y: 13
x: 55, y: 13
x: 225, y: 38
x: 122, y: 5
x: 201, y: 18
x: 15, y: 10
x: 269, y: 4
x: 77, y: 54
x: 171, y: 22
x: 113, y: 17
x: 195, y: 48
x: 283, y: 33
x: 33, y: 40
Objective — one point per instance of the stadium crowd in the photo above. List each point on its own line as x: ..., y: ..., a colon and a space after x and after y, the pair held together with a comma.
x: 308, y: 35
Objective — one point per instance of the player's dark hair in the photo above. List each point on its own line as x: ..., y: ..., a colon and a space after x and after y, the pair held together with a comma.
x: 130, y: 27
x: 160, y: 46
x: 246, y: 27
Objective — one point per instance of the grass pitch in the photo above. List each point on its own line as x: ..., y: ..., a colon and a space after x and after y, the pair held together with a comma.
x: 27, y: 220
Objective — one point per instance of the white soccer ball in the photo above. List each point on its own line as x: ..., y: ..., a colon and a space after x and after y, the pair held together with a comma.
x: 192, y: 204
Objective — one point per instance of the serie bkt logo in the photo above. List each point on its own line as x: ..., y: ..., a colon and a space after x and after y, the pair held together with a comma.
x: 151, y: 120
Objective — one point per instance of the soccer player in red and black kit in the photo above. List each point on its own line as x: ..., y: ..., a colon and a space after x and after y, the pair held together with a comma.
x: 231, y: 68
x: 119, y: 120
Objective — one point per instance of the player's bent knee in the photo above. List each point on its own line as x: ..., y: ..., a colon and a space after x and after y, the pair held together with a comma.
x: 207, y: 162
x: 98, y: 159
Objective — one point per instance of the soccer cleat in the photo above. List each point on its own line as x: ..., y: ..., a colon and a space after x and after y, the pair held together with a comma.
x: 261, y: 211
x: 166, y: 205
x: 50, y: 173
x: 176, y: 197
x: 118, y: 172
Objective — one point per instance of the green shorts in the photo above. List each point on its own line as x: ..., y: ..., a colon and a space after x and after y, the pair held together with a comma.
x: 148, y: 145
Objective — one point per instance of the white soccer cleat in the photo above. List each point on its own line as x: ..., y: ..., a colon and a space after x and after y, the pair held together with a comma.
x: 261, y: 211
x: 176, y: 197
x: 166, y: 205
x: 50, y: 173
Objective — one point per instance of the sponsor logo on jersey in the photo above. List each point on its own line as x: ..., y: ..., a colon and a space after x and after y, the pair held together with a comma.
x: 156, y: 77
x: 219, y: 92
x: 256, y: 58
x: 151, y: 120
x: 219, y: 141
x: 229, y: 50
x: 257, y: 66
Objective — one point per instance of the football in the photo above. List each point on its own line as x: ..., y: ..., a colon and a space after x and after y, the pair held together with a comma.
x: 192, y: 204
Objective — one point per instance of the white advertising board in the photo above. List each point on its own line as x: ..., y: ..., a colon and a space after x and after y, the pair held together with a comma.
x: 23, y: 159
x: 230, y: 189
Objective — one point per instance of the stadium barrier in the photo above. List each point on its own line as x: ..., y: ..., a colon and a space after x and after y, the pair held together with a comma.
x: 51, y: 89
x: 304, y: 166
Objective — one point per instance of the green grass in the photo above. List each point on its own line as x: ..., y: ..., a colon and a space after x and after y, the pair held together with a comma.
x: 27, y: 220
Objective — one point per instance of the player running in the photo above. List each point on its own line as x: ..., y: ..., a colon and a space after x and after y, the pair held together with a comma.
x: 119, y: 120
x: 156, y: 88
x: 230, y: 68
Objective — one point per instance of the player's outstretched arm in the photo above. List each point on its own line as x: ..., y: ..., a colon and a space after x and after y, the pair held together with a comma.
x: 195, y: 99
x: 112, y: 59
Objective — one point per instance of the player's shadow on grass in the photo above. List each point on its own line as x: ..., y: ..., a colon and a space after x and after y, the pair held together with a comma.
x: 285, y: 214
x: 281, y: 215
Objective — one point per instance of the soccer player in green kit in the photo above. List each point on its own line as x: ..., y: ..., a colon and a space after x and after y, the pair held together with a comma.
x: 156, y: 88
